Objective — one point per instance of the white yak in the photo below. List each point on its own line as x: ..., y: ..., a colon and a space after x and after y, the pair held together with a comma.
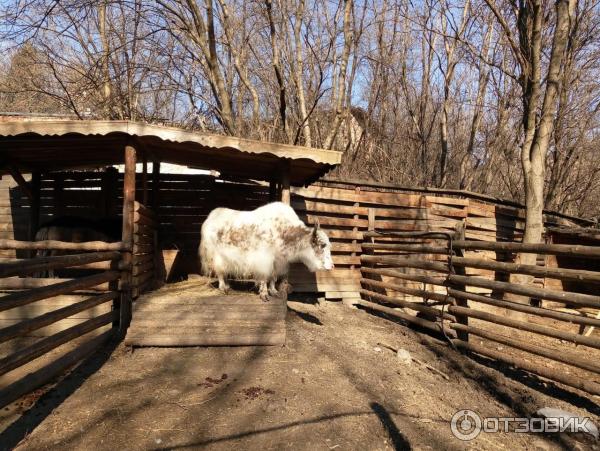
x: 260, y: 244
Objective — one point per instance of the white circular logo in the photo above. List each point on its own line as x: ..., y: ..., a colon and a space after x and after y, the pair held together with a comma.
x: 465, y: 425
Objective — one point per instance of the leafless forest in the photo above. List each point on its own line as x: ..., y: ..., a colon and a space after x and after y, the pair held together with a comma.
x: 496, y: 96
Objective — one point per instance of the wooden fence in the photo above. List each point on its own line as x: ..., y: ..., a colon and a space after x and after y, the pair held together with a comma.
x: 426, y: 275
x: 180, y: 203
x: 145, y: 245
x: 89, y: 305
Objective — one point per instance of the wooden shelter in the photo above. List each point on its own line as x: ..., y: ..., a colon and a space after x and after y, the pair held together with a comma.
x: 66, y: 168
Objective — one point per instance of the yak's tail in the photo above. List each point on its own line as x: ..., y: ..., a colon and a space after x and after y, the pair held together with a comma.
x: 205, y: 259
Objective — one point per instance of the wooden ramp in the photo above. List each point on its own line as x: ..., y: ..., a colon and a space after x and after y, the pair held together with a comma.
x: 193, y: 313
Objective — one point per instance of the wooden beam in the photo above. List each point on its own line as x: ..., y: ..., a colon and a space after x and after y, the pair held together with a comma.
x: 567, y: 297
x: 567, y: 250
x: 32, y: 265
x: 12, y: 170
x: 63, y: 245
x: 127, y: 236
x: 34, y: 213
x: 285, y: 183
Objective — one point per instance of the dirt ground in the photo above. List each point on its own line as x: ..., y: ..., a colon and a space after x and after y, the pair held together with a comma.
x: 334, y: 386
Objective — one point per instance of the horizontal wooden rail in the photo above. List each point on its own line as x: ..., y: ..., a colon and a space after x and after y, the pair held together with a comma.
x: 556, y: 374
x: 26, y: 283
x: 412, y: 234
x: 406, y: 304
x: 422, y: 248
x: 24, y: 327
x: 63, y: 245
x: 50, y: 371
x: 400, y: 275
x: 27, y: 297
x: 592, y: 342
x: 577, y: 275
x: 587, y: 300
x: 552, y: 354
x: 441, y: 297
x: 405, y: 262
x: 430, y: 325
x: 45, y: 345
x: 566, y: 250
x: 32, y: 265
x: 536, y: 311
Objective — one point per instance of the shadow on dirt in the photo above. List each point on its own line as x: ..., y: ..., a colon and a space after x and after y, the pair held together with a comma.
x: 54, y: 397
x: 306, y: 316
x: 399, y: 441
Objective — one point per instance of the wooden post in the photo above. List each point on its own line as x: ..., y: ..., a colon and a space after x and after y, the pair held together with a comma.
x: 272, y: 190
x: 59, y: 203
x: 127, y: 236
x: 144, y: 179
x: 371, y: 216
x: 285, y: 183
x: 155, y: 185
x: 109, y: 191
x: 462, y: 334
x: 34, y: 218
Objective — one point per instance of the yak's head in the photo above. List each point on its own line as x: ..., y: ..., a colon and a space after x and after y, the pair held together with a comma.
x: 318, y: 255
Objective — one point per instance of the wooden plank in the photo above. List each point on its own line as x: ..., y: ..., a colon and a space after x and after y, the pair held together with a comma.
x: 578, y: 275
x: 26, y: 297
x: 41, y: 308
x: 405, y: 262
x: 536, y: 311
x: 20, y: 283
x: 140, y: 219
x: 529, y: 290
x: 566, y: 250
x: 62, y: 245
x: 23, y: 267
x: 435, y: 327
x: 416, y: 306
x: 364, y: 197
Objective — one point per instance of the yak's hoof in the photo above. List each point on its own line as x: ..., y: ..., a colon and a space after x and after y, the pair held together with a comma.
x: 264, y: 297
x: 224, y: 290
x: 274, y: 293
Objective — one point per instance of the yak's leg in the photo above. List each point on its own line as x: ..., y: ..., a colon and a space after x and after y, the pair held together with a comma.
x: 263, y: 291
x: 272, y: 288
x: 223, y: 285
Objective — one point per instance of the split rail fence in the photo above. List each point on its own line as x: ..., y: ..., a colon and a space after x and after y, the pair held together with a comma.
x: 421, y: 279
x: 50, y: 302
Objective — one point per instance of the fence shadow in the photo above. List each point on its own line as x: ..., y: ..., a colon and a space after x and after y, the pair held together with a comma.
x: 55, y: 396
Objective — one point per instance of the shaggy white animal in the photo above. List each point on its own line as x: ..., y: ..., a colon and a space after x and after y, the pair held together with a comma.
x: 260, y: 244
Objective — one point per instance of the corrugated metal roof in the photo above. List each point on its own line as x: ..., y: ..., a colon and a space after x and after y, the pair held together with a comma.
x: 43, y: 145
